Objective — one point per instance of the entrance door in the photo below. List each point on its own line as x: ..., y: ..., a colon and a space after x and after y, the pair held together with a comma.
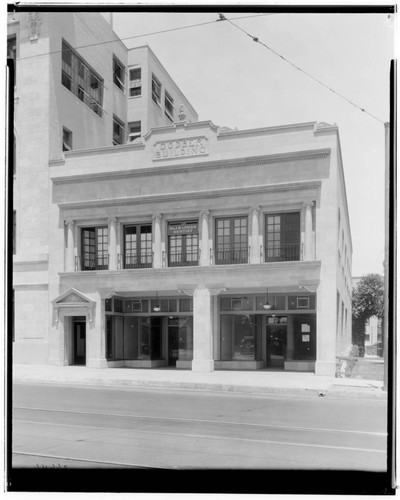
x: 79, y: 357
x: 276, y: 345
x: 173, y: 345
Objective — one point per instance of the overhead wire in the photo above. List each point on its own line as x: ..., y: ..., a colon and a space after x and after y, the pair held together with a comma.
x: 257, y: 40
x: 116, y: 40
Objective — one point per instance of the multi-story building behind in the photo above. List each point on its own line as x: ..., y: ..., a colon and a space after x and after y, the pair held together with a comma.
x: 147, y: 238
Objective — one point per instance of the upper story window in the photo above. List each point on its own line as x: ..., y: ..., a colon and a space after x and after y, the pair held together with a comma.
x: 183, y: 243
x: 135, y: 82
x: 282, y: 237
x: 83, y: 82
x: 119, y: 74
x: 135, y: 130
x: 67, y: 140
x: 231, y: 240
x: 138, y: 246
x: 12, y: 51
x: 118, y: 131
x: 169, y: 106
x: 156, y: 90
x: 94, y: 248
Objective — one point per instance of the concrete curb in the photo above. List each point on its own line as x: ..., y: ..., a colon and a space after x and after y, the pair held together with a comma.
x: 335, y: 391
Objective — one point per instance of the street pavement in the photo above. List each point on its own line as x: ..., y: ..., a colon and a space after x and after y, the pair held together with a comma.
x: 65, y: 426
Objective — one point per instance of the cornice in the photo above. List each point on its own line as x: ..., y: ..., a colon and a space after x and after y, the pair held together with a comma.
x: 139, y: 146
x: 179, y: 126
x: 215, y: 269
x: 309, y: 155
x: 190, y: 195
x: 267, y: 130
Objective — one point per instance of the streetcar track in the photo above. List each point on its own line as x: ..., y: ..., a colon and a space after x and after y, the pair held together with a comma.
x: 203, y: 436
x: 205, y: 421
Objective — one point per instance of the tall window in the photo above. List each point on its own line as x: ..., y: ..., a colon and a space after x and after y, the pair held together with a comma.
x: 94, y: 248
x: 135, y: 130
x: 169, y: 106
x: 183, y: 244
x: 119, y: 74
x: 231, y: 240
x: 118, y: 131
x: 156, y: 90
x: 282, y: 237
x: 135, y: 82
x: 67, y: 140
x: 83, y: 82
x: 137, y: 251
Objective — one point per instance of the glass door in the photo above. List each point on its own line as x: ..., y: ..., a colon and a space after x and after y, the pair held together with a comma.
x: 276, y: 346
x: 79, y: 357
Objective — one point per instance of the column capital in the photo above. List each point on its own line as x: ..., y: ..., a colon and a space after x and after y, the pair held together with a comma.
x: 308, y: 204
x: 156, y: 217
x: 69, y: 222
x: 205, y: 212
x: 255, y: 208
x: 112, y: 219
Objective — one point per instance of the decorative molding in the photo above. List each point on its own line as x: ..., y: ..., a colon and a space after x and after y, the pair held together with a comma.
x: 217, y: 290
x: 190, y: 195
x: 309, y: 288
x: 308, y: 204
x: 204, y: 213
x: 151, y: 170
x: 156, y: 218
x: 33, y: 24
x: 269, y: 130
x: 56, y: 158
x: 187, y: 291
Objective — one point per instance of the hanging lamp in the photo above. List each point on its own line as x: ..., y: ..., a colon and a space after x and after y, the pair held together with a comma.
x: 156, y: 307
x: 267, y: 305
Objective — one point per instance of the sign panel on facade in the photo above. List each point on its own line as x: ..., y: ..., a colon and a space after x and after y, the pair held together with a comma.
x: 180, y: 148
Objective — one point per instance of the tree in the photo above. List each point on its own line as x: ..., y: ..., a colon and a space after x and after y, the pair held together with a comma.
x: 367, y: 301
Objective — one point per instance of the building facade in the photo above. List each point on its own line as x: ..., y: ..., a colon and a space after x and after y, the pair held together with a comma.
x: 173, y: 243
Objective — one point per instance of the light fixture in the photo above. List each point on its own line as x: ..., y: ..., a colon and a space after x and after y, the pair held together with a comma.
x: 267, y: 305
x: 156, y: 307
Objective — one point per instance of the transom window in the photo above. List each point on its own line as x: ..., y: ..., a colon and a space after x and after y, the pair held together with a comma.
x: 119, y: 74
x: 183, y: 243
x: 169, y: 106
x: 94, y: 248
x: 83, y: 82
x: 138, y: 246
x: 231, y: 240
x: 156, y: 90
x: 282, y: 237
x: 135, y: 82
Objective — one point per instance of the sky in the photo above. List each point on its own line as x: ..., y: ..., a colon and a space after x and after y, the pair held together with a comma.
x: 235, y: 82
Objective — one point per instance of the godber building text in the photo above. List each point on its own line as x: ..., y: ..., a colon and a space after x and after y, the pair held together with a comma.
x: 183, y: 147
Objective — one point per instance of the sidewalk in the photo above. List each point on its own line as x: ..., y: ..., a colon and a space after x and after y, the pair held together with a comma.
x: 254, y: 382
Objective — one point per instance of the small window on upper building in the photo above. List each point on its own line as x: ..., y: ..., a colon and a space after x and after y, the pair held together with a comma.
x: 118, y: 131
x: 67, y: 140
x: 135, y: 130
x: 79, y: 79
x: 135, y: 82
x: 169, y: 106
x: 156, y: 90
x: 119, y: 74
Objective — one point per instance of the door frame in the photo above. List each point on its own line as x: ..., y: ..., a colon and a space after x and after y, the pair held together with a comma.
x: 267, y: 350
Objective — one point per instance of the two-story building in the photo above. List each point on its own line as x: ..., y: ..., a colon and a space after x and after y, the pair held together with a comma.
x: 176, y: 242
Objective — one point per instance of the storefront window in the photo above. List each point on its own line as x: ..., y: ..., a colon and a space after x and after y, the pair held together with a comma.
x: 240, y: 337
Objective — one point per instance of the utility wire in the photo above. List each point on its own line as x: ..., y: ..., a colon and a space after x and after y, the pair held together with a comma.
x: 257, y: 40
x: 139, y: 36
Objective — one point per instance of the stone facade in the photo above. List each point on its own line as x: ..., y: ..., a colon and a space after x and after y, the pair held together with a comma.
x: 195, y: 246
